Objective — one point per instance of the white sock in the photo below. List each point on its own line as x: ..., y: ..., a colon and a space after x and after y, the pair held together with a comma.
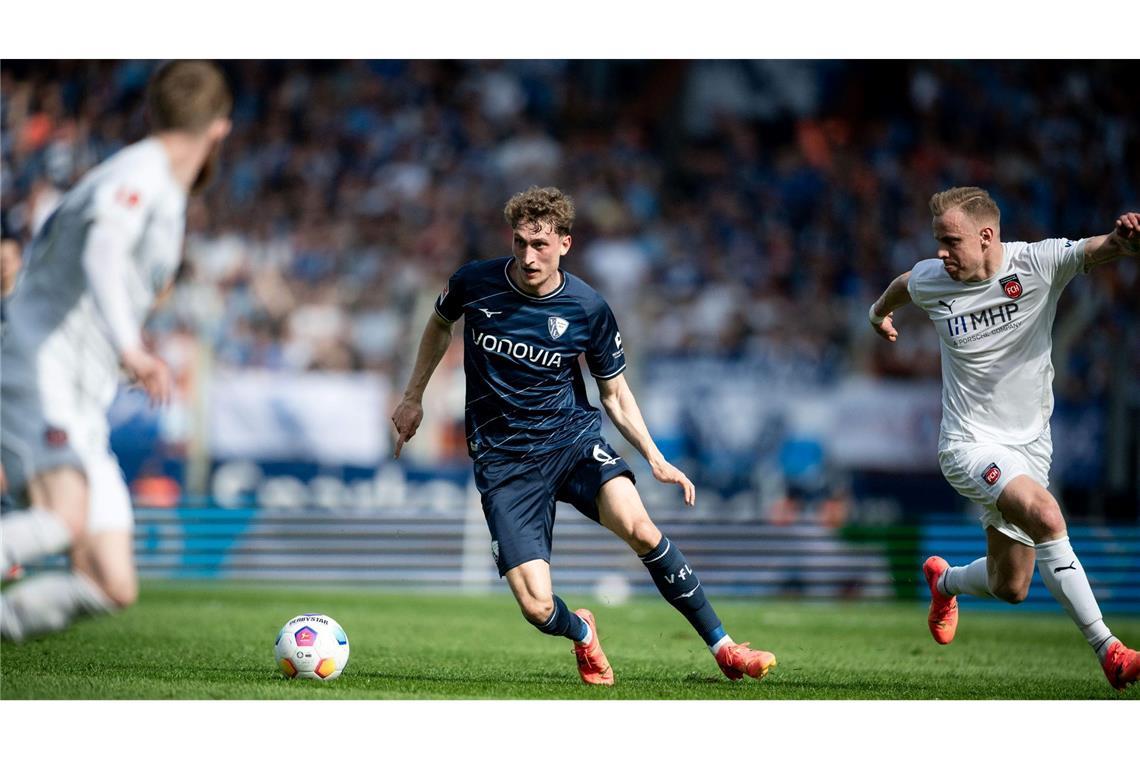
x: 49, y: 602
x: 1066, y: 580
x: 722, y: 642
x: 30, y: 534
x: 972, y: 579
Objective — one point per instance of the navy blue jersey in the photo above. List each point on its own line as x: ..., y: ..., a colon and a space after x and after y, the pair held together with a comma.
x: 525, y: 393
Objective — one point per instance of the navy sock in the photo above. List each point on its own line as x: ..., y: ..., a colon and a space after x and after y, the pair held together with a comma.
x: 679, y: 585
x: 563, y: 622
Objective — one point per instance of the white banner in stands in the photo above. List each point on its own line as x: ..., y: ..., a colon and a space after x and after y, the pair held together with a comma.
x: 313, y: 416
x: 884, y: 425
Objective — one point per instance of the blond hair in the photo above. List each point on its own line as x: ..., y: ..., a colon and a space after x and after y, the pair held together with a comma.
x: 975, y: 202
x: 541, y: 205
x: 187, y: 96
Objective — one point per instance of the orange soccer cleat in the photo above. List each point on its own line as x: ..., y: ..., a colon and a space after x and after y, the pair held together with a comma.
x: 943, y: 617
x: 1121, y: 666
x: 737, y: 661
x: 593, y: 666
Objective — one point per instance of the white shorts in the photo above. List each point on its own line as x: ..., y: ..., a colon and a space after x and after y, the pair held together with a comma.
x: 49, y: 423
x: 981, y: 471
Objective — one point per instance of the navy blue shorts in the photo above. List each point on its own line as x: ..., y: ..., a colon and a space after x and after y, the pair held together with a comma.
x: 519, y: 496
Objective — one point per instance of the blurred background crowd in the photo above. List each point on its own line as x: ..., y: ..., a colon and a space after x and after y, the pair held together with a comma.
x: 739, y: 216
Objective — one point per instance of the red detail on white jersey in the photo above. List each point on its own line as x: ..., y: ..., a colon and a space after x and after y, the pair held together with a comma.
x: 127, y: 197
x: 1012, y: 286
x: 992, y: 473
x: 55, y: 437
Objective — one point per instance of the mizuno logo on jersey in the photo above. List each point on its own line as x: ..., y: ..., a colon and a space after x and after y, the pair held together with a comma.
x: 517, y: 349
x: 488, y: 312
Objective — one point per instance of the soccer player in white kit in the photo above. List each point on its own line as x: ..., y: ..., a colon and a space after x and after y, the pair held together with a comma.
x: 90, y: 278
x: 993, y: 305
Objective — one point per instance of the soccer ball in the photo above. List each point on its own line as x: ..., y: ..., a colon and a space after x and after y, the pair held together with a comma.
x: 311, y: 645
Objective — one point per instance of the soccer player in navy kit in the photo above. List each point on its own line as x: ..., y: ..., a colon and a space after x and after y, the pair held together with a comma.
x: 535, y: 438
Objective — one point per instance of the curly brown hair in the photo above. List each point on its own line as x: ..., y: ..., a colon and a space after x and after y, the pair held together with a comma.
x: 541, y: 205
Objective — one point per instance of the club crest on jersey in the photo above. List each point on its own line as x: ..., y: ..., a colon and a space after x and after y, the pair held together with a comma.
x: 557, y: 326
x: 992, y: 473
x: 1011, y: 285
x: 603, y: 456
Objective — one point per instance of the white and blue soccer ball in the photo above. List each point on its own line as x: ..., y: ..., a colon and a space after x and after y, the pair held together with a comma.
x: 312, y: 646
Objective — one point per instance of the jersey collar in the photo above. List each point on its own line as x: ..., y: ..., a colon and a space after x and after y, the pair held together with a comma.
x: 547, y: 297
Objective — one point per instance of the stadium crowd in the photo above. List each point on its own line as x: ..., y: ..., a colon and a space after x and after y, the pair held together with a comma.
x: 737, y: 209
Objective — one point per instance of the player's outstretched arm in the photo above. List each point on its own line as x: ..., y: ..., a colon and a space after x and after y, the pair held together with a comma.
x: 621, y: 406
x: 1123, y: 241
x: 106, y: 263
x: 410, y: 411
x: 882, y: 311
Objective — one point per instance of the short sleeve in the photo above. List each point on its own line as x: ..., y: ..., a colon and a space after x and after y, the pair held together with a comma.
x: 122, y: 204
x: 916, y: 284
x: 605, y: 355
x: 1059, y: 260
x: 449, y: 305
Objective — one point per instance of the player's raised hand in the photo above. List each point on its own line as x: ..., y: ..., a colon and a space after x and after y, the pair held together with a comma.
x: 667, y: 473
x: 150, y: 372
x: 1128, y: 231
x: 407, y: 418
x: 886, y: 328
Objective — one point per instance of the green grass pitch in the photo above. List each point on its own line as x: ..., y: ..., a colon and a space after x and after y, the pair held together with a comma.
x: 216, y: 642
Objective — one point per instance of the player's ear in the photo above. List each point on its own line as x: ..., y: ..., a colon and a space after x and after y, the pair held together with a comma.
x: 564, y: 242
x: 219, y: 129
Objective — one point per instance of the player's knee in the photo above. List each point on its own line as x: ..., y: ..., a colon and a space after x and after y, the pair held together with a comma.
x: 1045, y: 515
x: 1051, y: 521
x: 537, y: 610
x: 123, y: 592
x: 644, y: 536
x: 1011, y: 590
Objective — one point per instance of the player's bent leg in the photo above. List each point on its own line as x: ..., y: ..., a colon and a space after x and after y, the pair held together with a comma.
x: 56, y: 519
x: 66, y: 493
x: 621, y: 510
x: 1027, y: 501
x: 531, y: 585
x: 107, y: 558
x: 1009, y: 566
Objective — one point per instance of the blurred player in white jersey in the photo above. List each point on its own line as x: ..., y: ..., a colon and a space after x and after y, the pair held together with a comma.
x: 90, y: 278
x: 993, y: 305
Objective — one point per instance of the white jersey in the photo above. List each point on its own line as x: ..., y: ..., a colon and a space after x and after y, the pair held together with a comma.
x: 997, y: 371
x: 78, y: 314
